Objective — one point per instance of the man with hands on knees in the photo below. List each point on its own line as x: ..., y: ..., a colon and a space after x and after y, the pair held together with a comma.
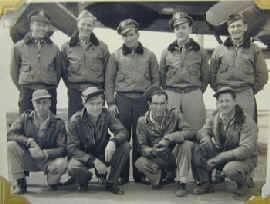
x: 227, y: 143
x: 163, y: 138
x: 36, y: 142
x: 91, y: 146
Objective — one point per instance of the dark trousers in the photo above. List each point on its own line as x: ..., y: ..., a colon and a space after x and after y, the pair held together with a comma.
x: 74, y: 101
x: 117, y: 163
x: 130, y: 109
x: 25, y: 99
x: 237, y: 171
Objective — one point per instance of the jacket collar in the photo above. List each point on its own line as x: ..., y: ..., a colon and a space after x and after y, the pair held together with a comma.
x: 74, y: 40
x: 85, y: 116
x: 165, y: 121
x: 190, y: 45
x: 28, y: 39
x: 246, y: 42
x: 51, y: 116
x: 126, y: 50
x: 238, y: 118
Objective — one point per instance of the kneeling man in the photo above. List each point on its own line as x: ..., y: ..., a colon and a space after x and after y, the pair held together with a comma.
x: 228, y: 144
x: 91, y: 146
x: 163, y: 137
x: 37, y: 142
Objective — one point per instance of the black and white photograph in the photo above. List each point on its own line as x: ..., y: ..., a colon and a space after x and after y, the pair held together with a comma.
x: 136, y: 102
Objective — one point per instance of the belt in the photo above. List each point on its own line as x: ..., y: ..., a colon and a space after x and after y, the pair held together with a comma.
x: 182, y: 90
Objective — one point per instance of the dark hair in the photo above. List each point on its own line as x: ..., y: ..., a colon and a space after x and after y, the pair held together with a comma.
x: 158, y: 93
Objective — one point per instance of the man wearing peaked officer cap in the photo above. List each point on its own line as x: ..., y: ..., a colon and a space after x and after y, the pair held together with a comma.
x: 37, y: 142
x: 36, y: 62
x: 131, y: 70
x: 184, y: 71
x: 91, y: 146
x: 127, y: 25
x: 180, y: 18
x: 85, y: 58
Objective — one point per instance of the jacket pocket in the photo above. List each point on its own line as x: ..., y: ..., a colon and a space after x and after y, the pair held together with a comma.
x: 147, y: 74
x: 223, y: 68
x: 171, y: 72
x: 120, y: 77
x: 194, y: 69
x: 246, y: 64
x: 26, y: 68
x: 74, y: 67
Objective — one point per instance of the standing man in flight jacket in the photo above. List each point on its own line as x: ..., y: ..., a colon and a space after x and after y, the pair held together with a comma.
x: 131, y: 70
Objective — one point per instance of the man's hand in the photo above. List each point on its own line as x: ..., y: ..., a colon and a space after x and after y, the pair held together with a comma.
x: 31, y: 143
x: 109, y: 151
x: 162, y: 145
x: 211, y: 164
x: 100, y: 167
x: 37, y: 153
x: 113, y: 110
x: 205, y: 142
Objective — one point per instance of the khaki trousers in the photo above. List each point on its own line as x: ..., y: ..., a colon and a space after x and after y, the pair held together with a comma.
x: 20, y: 160
x: 182, y: 153
x: 191, y: 105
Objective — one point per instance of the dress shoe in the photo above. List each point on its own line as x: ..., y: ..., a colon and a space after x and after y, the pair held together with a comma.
x: 20, y: 187
x: 181, y: 190
x: 203, y: 189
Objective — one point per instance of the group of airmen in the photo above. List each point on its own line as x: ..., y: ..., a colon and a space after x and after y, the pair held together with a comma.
x: 157, y: 106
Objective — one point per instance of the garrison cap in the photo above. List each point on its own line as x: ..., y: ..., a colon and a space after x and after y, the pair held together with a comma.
x: 91, y: 92
x: 40, y: 93
x: 224, y: 90
x: 39, y: 16
x: 127, y: 25
x: 180, y: 17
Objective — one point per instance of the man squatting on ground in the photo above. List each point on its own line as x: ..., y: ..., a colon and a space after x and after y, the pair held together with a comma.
x: 163, y: 138
x: 228, y: 143
x: 91, y: 146
x: 37, y: 142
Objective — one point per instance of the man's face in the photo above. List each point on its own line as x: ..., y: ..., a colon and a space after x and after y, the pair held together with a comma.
x: 237, y: 29
x: 131, y: 38
x: 159, y: 105
x: 39, y: 29
x: 85, y: 26
x: 94, y: 105
x: 42, y: 106
x: 225, y: 103
x: 182, y: 31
